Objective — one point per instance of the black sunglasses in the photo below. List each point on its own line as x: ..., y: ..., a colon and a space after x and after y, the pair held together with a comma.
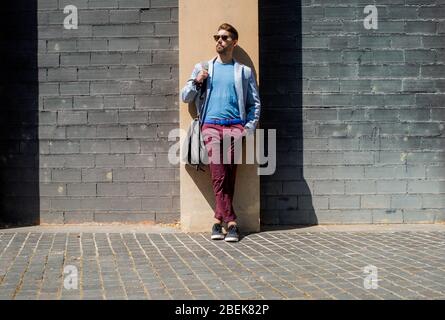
x: 223, y: 37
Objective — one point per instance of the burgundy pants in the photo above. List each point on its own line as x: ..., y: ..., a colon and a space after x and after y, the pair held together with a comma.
x: 222, y: 169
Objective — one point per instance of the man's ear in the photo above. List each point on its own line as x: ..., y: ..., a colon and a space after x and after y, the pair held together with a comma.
x: 235, y: 43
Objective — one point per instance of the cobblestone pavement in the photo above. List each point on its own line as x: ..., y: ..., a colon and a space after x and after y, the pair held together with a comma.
x: 266, y: 265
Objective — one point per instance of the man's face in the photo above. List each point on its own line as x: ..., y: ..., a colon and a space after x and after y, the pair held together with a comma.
x: 225, y: 46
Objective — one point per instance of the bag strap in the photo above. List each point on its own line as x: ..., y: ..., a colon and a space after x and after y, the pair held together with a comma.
x: 202, y: 91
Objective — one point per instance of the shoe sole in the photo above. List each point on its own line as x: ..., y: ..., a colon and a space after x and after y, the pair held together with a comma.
x: 217, y: 237
x: 231, y: 239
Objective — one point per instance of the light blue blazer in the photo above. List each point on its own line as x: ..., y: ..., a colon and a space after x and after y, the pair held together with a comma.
x: 246, y: 90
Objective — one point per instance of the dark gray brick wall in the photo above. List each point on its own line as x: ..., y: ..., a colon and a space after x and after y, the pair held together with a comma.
x: 107, y: 92
x: 359, y: 113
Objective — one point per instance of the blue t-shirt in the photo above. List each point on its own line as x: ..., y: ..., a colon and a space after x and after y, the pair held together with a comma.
x: 223, y: 102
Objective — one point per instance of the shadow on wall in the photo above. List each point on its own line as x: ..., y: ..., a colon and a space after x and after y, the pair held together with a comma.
x: 285, y: 196
x: 19, y: 147
x: 242, y: 56
x: 205, y: 184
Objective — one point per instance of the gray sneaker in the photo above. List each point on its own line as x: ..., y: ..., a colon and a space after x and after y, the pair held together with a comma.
x: 232, y: 234
x: 217, y: 232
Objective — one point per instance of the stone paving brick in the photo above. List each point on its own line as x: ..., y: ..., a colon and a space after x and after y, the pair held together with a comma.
x: 267, y: 265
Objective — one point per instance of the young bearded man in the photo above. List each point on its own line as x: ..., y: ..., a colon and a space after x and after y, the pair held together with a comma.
x: 229, y: 108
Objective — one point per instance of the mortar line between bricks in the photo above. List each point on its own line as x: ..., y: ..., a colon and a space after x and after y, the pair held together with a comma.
x: 345, y: 247
x: 122, y: 259
x: 53, y: 255
x: 151, y: 263
x: 134, y: 266
x: 53, y: 236
x: 201, y: 262
x: 15, y: 257
x: 216, y: 258
x: 96, y: 256
x: 343, y: 260
x: 288, y: 270
x: 321, y: 260
x: 67, y: 259
x: 265, y: 268
x: 39, y: 252
x: 333, y: 248
x: 386, y: 248
x: 62, y: 285
x: 81, y: 266
x: 188, y: 266
x: 413, y: 256
x: 133, y: 241
x: 330, y: 235
x: 116, y: 265
x: 173, y: 269
x: 3, y: 251
x: 353, y: 283
x: 107, y: 265
x: 439, y: 246
x: 8, y: 244
x: 405, y: 279
x: 409, y: 272
x: 329, y: 281
x: 394, y: 258
x: 161, y: 256
x: 28, y: 262
x: 234, y: 247
x: 99, y: 270
x: 382, y: 256
x: 301, y: 248
x: 391, y: 273
x: 252, y: 274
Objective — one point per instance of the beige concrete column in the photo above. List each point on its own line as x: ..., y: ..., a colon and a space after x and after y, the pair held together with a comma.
x: 198, y: 21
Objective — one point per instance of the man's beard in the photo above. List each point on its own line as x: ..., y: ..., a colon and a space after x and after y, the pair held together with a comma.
x: 221, y: 49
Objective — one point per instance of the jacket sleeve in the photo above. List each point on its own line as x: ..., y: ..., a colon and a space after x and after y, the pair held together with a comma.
x: 253, y: 105
x: 189, y: 92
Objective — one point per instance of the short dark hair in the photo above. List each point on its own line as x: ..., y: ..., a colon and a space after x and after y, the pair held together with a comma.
x: 229, y: 28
